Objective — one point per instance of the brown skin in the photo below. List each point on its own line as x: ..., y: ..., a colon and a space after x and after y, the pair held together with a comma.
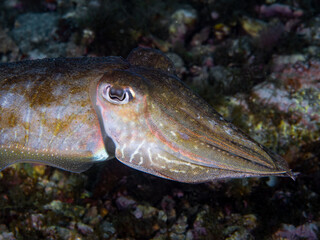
x: 83, y: 108
x: 47, y: 114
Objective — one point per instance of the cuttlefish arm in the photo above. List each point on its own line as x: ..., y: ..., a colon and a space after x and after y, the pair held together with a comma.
x: 70, y: 113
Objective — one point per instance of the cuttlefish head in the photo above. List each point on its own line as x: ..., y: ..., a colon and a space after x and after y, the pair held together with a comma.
x: 160, y: 127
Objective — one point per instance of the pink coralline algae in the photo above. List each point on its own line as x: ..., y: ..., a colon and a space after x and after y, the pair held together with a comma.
x: 278, y: 10
x: 300, y: 75
x: 182, y: 23
x: 298, y: 94
x: 125, y: 203
x: 284, y: 110
x: 305, y: 231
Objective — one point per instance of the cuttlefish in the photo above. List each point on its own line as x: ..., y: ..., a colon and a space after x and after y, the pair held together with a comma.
x: 73, y: 112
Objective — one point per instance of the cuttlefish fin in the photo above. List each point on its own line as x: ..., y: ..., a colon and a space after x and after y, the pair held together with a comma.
x: 151, y: 58
x: 11, y: 155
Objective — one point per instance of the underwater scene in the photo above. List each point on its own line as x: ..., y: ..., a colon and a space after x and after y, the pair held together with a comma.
x: 134, y: 152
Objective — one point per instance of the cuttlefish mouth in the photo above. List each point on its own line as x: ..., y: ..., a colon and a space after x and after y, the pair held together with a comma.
x: 159, y: 126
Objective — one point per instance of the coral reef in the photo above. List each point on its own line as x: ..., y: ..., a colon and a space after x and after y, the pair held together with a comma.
x: 256, y: 62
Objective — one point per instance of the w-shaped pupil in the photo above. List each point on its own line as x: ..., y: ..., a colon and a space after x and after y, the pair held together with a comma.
x: 117, y: 94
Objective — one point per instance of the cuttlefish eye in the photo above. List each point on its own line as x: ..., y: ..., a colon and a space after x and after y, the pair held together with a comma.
x: 117, y: 95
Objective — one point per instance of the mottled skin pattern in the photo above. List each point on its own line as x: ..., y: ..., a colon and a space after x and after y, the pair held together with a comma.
x: 70, y: 113
x: 47, y: 114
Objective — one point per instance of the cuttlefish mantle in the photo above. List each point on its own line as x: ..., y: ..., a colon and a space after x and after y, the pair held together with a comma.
x: 72, y: 112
